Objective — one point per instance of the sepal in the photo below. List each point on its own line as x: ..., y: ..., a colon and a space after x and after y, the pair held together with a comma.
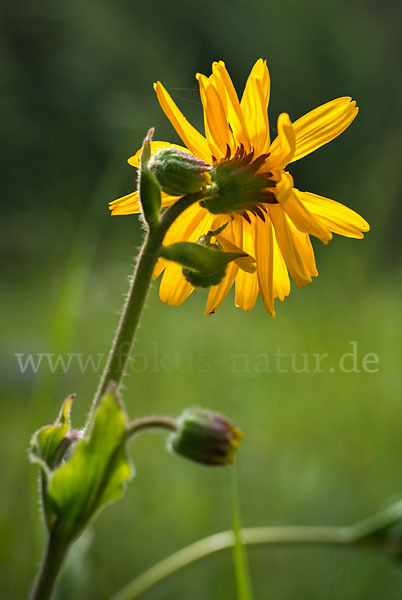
x: 149, y: 190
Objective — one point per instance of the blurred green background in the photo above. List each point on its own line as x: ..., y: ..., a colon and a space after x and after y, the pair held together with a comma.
x: 320, y: 448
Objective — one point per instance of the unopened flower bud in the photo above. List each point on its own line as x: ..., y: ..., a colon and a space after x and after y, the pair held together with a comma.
x: 204, y: 264
x: 206, y: 437
x: 178, y: 172
x: 205, y: 279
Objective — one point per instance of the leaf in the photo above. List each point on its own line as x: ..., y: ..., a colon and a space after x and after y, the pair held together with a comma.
x: 96, y: 473
x: 198, y: 257
x: 46, y: 442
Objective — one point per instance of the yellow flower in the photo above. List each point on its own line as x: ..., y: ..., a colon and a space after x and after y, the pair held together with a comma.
x: 273, y: 223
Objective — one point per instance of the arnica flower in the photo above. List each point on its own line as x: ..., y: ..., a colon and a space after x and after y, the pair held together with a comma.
x: 265, y: 215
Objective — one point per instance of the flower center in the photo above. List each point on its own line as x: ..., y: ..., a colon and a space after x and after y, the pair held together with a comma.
x: 238, y: 187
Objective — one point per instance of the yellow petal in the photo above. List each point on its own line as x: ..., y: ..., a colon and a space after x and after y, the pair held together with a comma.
x: 335, y: 216
x: 283, y: 147
x: 254, y: 105
x: 231, y: 104
x: 128, y: 205
x: 246, y: 263
x: 217, y: 128
x: 322, y: 125
x: 159, y: 267
x: 134, y: 161
x: 281, y: 280
x: 219, y: 221
x: 174, y: 289
x: 192, y: 138
x: 303, y: 219
x: 246, y: 287
x: 289, y: 246
x: 306, y: 250
x: 193, y: 223
x: 218, y: 293
x: 265, y: 261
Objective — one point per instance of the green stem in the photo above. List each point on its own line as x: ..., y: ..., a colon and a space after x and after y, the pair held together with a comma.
x: 381, y: 530
x: 117, y: 360
x: 243, y: 583
x: 44, y: 583
x: 258, y: 536
x: 150, y: 423
x: 123, y: 341
x: 125, y: 334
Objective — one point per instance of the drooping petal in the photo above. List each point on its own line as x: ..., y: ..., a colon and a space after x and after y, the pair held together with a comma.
x: 192, y: 138
x: 265, y: 261
x: 303, y: 219
x: 305, y: 248
x: 218, y: 293
x: 281, y: 280
x: 246, y: 286
x: 134, y: 161
x: 289, y: 246
x: 323, y: 124
x: 246, y: 263
x: 174, y: 289
x: 333, y: 215
x: 160, y: 266
x: 231, y: 104
x: 283, y: 147
x: 217, y: 130
x: 254, y: 105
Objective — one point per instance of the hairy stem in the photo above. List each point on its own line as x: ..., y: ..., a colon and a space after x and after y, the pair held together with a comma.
x: 125, y: 334
x: 124, y: 338
x: 52, y: 561
x: 115, y: 366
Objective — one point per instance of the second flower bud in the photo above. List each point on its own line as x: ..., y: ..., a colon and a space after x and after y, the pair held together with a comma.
x: 178, y: 172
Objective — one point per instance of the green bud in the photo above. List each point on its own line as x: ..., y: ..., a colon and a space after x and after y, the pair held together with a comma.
x: 205, y: 437
x: 204, y: 265
x: 204, y: 280
x: 179, y: 173
x: 149, y: 191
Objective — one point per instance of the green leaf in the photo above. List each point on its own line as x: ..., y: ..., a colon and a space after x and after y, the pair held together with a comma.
x: 46, y: 442
x: 96, y: 473
x: 198, y: 257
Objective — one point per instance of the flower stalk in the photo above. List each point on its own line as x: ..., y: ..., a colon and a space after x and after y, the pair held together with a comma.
x: 156, y: 228
x: 49, y: 570
x: 380, y: 531
x: 153, y: 422
x: 130, y: 318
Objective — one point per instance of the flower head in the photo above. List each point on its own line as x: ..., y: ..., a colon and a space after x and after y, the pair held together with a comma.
x: 251, y: 192
x: 206, y: 437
